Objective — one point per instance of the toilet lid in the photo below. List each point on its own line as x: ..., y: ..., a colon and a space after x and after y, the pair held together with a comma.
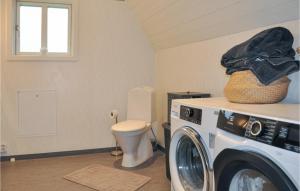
x: 130, y: 125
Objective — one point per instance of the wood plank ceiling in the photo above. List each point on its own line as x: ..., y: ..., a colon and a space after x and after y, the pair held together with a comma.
x: 170, y: 23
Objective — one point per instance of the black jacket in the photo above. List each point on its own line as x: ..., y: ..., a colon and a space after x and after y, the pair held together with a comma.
x: 269, y: 55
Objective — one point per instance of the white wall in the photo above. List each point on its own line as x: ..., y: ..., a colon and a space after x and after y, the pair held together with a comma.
x: 114, y: 56
x: 196, y: 67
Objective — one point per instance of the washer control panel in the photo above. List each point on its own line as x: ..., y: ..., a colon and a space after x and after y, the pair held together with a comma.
x: 191, y: 114
x: 276, y: 133
x: 262, y: 130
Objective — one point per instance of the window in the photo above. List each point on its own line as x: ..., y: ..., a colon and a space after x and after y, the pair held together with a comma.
x: 58, y: 30
x: 29, y: 29
x: 43, y: 29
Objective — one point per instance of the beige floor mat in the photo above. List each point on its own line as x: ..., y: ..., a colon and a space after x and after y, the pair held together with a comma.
x: 104, y: 178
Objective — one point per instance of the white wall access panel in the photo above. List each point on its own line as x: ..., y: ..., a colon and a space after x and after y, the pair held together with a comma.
x: 37, y: 113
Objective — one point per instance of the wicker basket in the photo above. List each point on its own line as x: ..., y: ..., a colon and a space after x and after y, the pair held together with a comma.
x: 244, y: 87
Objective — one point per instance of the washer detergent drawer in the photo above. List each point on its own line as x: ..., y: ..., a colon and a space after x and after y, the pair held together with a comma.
x: 175, y: 110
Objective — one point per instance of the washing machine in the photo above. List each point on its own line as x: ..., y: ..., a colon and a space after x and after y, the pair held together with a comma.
x: 193, y: 127
x: 223, y: 146
x: 257, y: 148
x: 256, y: 153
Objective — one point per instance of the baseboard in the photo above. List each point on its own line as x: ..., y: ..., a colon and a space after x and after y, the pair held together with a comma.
x: 57, y: 154
x: 66, y: 153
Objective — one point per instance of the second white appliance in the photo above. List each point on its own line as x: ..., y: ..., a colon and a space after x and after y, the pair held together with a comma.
x: 191, y: 148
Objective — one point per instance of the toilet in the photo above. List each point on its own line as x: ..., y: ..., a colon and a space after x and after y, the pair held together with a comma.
x: 132, y: 134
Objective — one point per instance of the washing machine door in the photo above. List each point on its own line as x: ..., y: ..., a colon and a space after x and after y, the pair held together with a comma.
x: 189, y: 163
x: 237, y: 170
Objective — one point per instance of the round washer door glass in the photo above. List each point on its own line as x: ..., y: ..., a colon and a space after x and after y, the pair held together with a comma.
x: 250, y: 180
x: 189, y: 165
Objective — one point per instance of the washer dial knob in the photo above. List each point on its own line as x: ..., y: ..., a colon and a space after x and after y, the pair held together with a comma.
x: 189, y: 112
x: 256, y: 128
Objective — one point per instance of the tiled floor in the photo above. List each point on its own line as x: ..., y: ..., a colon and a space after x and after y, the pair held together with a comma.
x: 46, y: 174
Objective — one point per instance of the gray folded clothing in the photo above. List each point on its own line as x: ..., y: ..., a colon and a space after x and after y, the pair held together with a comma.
x: 268, y: 54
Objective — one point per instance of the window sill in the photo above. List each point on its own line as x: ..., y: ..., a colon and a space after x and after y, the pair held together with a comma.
x: 42, y: 58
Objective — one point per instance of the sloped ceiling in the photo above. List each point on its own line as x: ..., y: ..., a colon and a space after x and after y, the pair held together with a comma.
x: 170, y: 23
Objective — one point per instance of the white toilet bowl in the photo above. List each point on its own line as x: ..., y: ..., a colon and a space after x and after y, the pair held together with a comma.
x: 132, y: 136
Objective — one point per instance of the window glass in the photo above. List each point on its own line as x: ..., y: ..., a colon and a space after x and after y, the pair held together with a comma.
x: 30, y: 28
x: 58, y: 30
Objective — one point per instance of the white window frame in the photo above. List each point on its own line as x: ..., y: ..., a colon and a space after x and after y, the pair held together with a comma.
x: 12, y: 51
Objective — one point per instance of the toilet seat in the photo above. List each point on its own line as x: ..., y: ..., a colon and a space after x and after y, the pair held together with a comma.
x: 129, y: 126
